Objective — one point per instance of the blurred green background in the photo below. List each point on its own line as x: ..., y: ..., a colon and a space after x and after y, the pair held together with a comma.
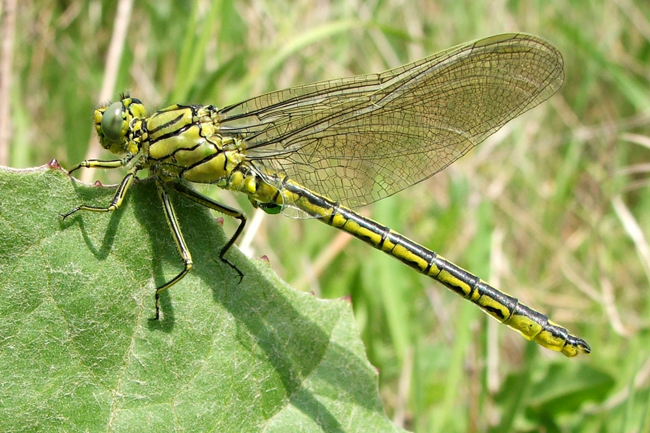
x: 554, y: 208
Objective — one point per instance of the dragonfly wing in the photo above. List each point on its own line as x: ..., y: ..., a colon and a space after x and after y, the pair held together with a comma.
x: 363, y: 138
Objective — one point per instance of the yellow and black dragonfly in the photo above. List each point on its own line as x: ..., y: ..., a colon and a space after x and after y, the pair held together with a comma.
x: 323, y: 149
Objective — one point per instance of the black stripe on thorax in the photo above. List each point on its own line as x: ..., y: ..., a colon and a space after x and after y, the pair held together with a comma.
x: 206, y: 159
x: 165, y: 125
x: 171, y: 134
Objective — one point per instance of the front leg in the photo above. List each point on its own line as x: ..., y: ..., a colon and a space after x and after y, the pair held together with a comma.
x: 98, y: 163
x: 119, y: 194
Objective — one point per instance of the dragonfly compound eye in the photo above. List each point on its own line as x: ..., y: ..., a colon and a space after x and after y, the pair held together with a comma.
x: 113, y: 121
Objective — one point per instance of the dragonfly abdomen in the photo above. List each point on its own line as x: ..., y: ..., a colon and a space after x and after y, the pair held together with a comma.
x: 532, y: 324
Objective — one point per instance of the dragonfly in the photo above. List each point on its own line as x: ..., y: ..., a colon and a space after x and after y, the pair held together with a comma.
x: 324, y: 149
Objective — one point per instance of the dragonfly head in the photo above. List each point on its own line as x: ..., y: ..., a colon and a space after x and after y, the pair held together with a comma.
x: 117, y: 125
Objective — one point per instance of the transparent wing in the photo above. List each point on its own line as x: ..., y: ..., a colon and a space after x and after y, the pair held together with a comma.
x: 363, y: 138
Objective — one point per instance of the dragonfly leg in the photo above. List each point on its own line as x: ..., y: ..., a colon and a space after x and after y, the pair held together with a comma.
x: 98, y: 163
x: 117, y: 199
x: 181, y: 246
x: 219, y: 207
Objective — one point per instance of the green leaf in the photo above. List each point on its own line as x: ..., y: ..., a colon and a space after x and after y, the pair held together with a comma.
x: 78, y: 351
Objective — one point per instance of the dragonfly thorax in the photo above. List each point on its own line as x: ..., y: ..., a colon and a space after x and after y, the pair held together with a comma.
x: 184, y: 141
